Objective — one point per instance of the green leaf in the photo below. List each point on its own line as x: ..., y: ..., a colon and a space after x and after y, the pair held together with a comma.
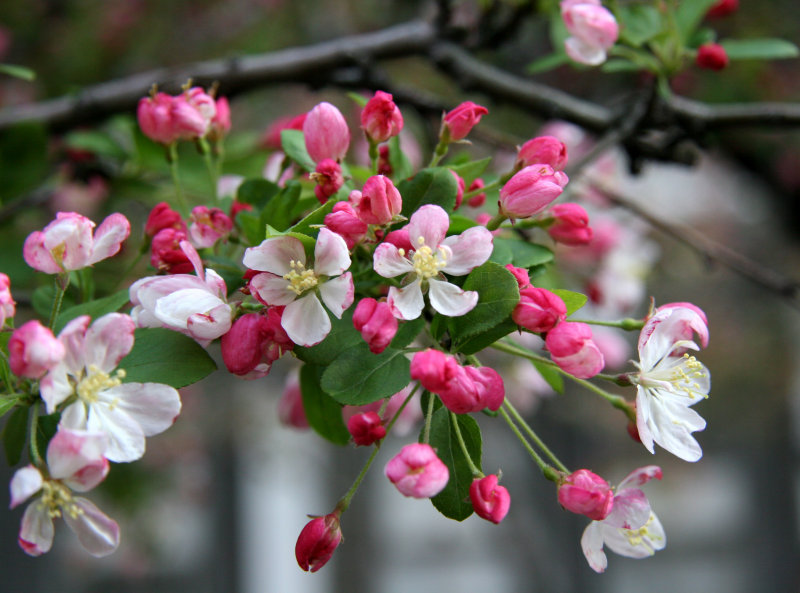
x: 360, y: 377
x: 324, y: 414
x: 547, y: 63
x: 7, y: 402
x: 472, y: 170
x: 315, y: 219
x: 359, y: 99
x: 551, y: 375
x: 407, y: 333
x: 164, y: 356
x: 257, y: 192
x: 524, y: 254
x: 459, y: 224
x: 639, y: 23
x: 487, y: 338
x: 278, y: 211
x: 429, y: 186
x: 294, y: 145
x: 453, y: 502
x: 620, y: 66
x: 46, y: 427
x: 18, y: 71
x: 759, y: 49
x: 94, y: 309
x: 689, y: 15
x: 341, y: 337
x: 573, y: 300
x: 96, y: 142
x: 15, y: 434
x: 501, y: 253
x: 498, y: 294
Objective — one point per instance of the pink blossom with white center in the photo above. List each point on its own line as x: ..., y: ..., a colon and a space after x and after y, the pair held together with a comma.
x: 125, y: 412
x: 286, y: 281
x: 669, y: 382
x: 631, y: 529
x: 593, y: 30
x: 432, y: 254
x: 193, y: 305
x: 67, y: 242
x: 75, y: 462
x: 417, y: 472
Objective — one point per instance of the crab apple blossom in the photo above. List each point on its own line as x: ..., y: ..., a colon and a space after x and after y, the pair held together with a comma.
x: 490, y: 501
x: 570, y: 225
x: 380, y: 118
x: 326, y: 133
x: 286, y: 281
x: 7, y: 305
x: 125, y: 412
x: 254, y: 342
x: 166, y: 254
x: 33, y: 350
x: 67, y: 243
x: 585, y: 493
x: 458, y: 122
x: 376, y: 323
x: 366, y: 428
x: 344, y: 221
x: 592, y: 28
x: 538, y: 310
x: 75, y: 462
x: 190, y: 105
x: 417, y: 472
x: 194, y: 305
x: 544, y: 150
x: 530, y: 191
x: 631, y: 529
x: 431, y: 255
x: 317, y: 542
x: 208, y: 225
x: 387, y: 409
x: 379, y: 201
x: 328, y: 178
x: 712, y: 56
x: 154, y: 115
x: 669, y: 383
x: 520, y: 275
x: 572, y: 349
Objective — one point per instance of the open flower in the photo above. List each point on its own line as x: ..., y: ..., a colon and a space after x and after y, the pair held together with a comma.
x: 631, y: 529
x: 75, y: 461
x: 432, y: 254
x: 670, y: 381
x: 285, y: 281
x: 125, y: 412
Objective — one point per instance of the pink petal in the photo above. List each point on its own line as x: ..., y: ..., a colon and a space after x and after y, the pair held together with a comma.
x: 98, y: 534
x: 448, y: 299
x: 26, y: 482
x: 429, y: 222
x: 78, y: 456
x: 108, y: 341
x: 331, y: 256
x: 37, y: 256
x: 272, y: 289
x: 640, y: 476
x: 274, y: 255
x: 470, y: 249
x: 153, y: 406
x: 584, y: 53
x: 73, y: 337
x: 109, y: 236
x: 194, y: 257
x: 631, y: 509
x: 406, y: 302
x: 305, y: 321
x: 338, y: 293
x: 388, y: 262
x: 174, y: 309
x: 210, y: 325
x: 36, y: 532
x: 74, y: 232
x: 125, y: 435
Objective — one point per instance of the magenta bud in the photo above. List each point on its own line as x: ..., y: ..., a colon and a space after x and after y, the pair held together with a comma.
x: 326, y: 133
x: 489, y: 500
x: 417, y: 472
x: 462, y: 119
x: 366, y: 428
x: 546, y: 150
x: 317, y: 542
x: 376, y: 323
x: 586, y: 493
x: 538, y: 310
x: 380, y: 118
x: 572, y: 349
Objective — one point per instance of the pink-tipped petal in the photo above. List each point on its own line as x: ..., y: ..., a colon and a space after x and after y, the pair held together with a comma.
x: 26, y: 482
x: 305, y: 321
x: 331, y: 256
x: 36, y: 532
x: 592, y: 546
x: 78, y: 456
x: 407, y: 302
x: 338, y: 293
x: 273, y: 255
x: 388, y: 262
x: 97, y: 533
x: 470, y: 249
x: 108, y: 341
x: 109, y: 236
x: 429, y: 222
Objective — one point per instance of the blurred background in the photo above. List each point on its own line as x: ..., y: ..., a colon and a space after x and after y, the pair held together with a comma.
x: 218, y: 501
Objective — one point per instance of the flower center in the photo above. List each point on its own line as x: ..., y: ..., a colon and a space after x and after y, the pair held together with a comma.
x: 682, y: 376
x: 427, y: 262
x: 300, y: 279
x: 642, y: 536
x: 57, y: 498
x: 97, y: 381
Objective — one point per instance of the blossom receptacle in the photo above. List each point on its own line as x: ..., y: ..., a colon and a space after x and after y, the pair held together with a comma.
x: 326, y: 133
x: 328, y: 178
x: 722, y: 8
x: 417, y: 472
x: 712, y: 56
x: 162, y: 216
x: 545, y: 150
x: 538, y: 310
x: 490, y: 501
x: 572, y: 349
x: 366, y: 428
x: 458, y: 122
x: 8, y: 307
x: 344, y: 221
x: 208, y: 225
x: 253, y: 343
x: 376, y: 323
x: 381, y: 119
x: 33, y: 350
x: 530, y: 191
x: 571, y: 225
x: 379, y: 201
x: 585, y: 493
x: 317, y: 542
x: 593, y: 31
x: 166, y: 254
x: 67, y: 243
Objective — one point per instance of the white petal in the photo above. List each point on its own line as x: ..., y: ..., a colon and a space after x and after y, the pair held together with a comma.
x: 154, y: 406
x: 631, y: 509
x: 55, y: 387
x: 305, y: 321
x: 407, y: 302
x: 25, y: 483
x: 211, y: 325
x: 470, y: 249
x: 36, y: 532
x: 448, y: 299
x: 637, y: 543
x: 98, y: 534
x: 274, y: 255
x: 671, y: 425
x: 640, y: 476
x: 72, y: 452
x: 191, y: 253
x: 108, y: 340
x: 109, y: 236
x: 272, y: 289
x: 125, y: 435
x: 643, y: 418
x: 388, y: 262
x: 592, y: 546
x: 584, y: 53
x: 331, y: 256
x: 338, y: 294
x: 174, y: 309
x: 429, y: 222
x: 74, y: 416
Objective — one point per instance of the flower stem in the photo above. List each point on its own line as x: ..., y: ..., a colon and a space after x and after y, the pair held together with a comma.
x: 546, y: 469
x: 373, y: 155
x: 533, y: 436
x: 61, y: 282
x: 36, y: 457
x: 213, y: 172
x: 495, y: 222
x: 426, y: 435
x: 628, y: 324
x: 476, y: 472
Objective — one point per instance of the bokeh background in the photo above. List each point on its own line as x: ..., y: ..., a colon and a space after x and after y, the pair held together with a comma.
x: 217, y: 502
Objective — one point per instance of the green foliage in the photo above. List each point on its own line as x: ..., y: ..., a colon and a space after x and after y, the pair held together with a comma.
x: 401, y: 166
x: 471, y: 170
x: 429, y: 186
x: 342, y: 337
x: 272, y: 206
x: 360, y: 377
x: 46, y: 428
x: 759, y: 49
x: 573, y: 300
x: 324, y: 414
x: 94, y: 309
x: 639, y: 23
x: 294, y: 145
x: 164, y: 356
x: 689, y: 15
x: 551, y: 375
x: 520, y: 253
x: 16, y: 71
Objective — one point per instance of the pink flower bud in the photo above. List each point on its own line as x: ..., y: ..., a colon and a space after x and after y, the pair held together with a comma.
x: 366, y: 428
x: 376, y: 323
x: 586, y: 493
x: 545, y: 150
x: 221, y: 122
x: 290, y: 405
x: 417, y: 472
x: 538, y: 310
x: 344, y: 221
x: 530, y: 191
x: 489, y: 500
x: 208, y: 225
x: 326, y: 133
x: 7, y: 305
x: 380, y: 201
x: 572, y: 349
x: 478, y: 200
x: 191, y: 112
x: 593, y: 31
x: 272, y: 135
x: 723, y: 8
x: 154, y: 115
x: 433, y: 369
x: 317, y: 542
x: 571, y: 226
x: 328, y: 177
x: 521, y: 275
x: 253, y: 343
x: 711, y: 56
x: 399, y: 239
x: 460, y: 183
x: 380, y: 118
x: 462, y: 119
x: 162, y: 216
x: 166, y: 254
x: 33, y: 350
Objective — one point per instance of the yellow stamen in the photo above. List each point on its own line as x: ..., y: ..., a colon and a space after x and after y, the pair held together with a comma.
x: 97, y: 381
x: 300, y: 279
x: 426, y: 262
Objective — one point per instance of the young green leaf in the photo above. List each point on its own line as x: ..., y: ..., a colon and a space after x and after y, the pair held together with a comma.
x: 429, y: 186
x: 94, y: 309
x: 324, y: 415
x: 294, y: 145
x: 360, y: 377
x: 498, y: 294
x: 573, y: 300
x: 164, y: 356
x: 759, y: 49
